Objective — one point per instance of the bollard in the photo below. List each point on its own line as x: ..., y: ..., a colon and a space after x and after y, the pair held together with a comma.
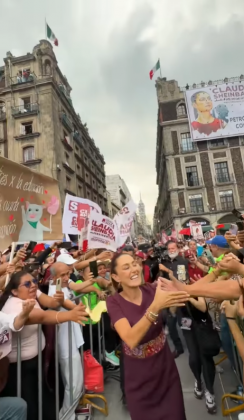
x: 70, y: 363
x: 18, y: 365
x: 56, y: 374
x: 99, y: 342
x: 103, y: 339
x: 90, y: 326
x: 39, y: 372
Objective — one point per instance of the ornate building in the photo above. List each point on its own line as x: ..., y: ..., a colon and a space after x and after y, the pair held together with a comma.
x: 40, y: 128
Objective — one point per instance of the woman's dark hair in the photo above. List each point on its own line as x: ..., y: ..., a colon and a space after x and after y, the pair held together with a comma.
x: 113, y: 266
x: 128, y: 248
x: 12, y: 285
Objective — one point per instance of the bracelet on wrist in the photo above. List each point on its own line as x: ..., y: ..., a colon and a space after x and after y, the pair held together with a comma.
x: 153, y: 318
x: 231, y: 317
x: 57, y: 317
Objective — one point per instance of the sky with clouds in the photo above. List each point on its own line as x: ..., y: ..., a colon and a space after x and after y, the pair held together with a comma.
x: 106, y: 50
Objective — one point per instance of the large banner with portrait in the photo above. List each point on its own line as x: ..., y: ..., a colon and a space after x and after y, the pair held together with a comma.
x: 216, y: 111
x: 29, y: 205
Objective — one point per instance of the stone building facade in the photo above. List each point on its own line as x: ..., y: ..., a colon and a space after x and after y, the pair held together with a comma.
x: 201, y: 180
x: 40, y: 128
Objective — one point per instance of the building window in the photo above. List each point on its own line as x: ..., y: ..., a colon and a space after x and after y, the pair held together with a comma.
x: 76, y: 149
x: 28, y: 153
x: 181, y: 110
x: 80, y: 191
x: 186, y: 142
x: 93, y: 183
x: 217, y: 143
x: 87, y: 176
x: 226, y: 200
x: 192, y: 176
x: 88, y: 193
x: 26, y: 128
x: 68, y: 182
x: 222, y: 172
x: 85, y: 158
x: 78, y: 169
x: 196, y: 203
x: 66, y: 156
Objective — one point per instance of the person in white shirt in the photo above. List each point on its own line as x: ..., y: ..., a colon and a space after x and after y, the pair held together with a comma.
x: 62, y: 271
x: 12, y: 408
x: 21, y: 287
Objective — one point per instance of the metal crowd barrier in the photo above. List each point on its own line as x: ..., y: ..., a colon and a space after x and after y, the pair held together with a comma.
x: 83, y: 398
x: 238, y: 370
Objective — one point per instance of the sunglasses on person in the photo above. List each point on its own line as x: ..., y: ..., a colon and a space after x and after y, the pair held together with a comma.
x: 28, y: 283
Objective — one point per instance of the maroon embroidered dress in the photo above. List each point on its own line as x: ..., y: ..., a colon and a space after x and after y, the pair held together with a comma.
x: 152, y: 383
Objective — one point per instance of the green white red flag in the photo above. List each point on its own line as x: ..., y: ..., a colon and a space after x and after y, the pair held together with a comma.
x: 51, y: 36
x: 154, y: 69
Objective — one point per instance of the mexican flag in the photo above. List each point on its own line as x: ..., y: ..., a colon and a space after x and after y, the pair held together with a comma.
x: 155, y: 68
x: 51, y: 36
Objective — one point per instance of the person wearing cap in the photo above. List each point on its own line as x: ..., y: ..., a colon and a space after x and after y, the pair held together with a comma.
x: 11, y: 408
x: 140, y: 258
x: 219, y: 248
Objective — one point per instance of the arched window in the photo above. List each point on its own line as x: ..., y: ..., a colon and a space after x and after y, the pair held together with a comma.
x: 48, y: 67
x: 181, y: 110
x: 2, y: 107
x: 28, y: 153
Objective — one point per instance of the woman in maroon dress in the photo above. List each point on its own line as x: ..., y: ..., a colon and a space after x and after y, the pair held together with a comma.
x: 152, y: 383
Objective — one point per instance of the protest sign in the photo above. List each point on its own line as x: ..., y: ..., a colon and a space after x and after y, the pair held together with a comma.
x: 102, y: 232
x: 124, y: 220
x: 164, y: 237
x: 83, y: 211
x: 29, y: 205
x: 69, y: 222
x: 196, y: 230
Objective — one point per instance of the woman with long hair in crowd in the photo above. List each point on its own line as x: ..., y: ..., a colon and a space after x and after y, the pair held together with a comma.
x: 152, y: 384
x: 22, y: 287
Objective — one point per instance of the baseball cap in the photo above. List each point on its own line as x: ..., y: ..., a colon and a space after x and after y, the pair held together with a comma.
x: 141, y: 255
x: 218, y: 240
x: 65, y: 257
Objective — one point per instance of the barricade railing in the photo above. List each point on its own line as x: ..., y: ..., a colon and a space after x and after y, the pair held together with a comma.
x: 238, y: 370
x: 83, y: 397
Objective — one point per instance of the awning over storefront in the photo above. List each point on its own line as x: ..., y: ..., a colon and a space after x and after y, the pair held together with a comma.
x: 224, y: 227
x: 187, y: 232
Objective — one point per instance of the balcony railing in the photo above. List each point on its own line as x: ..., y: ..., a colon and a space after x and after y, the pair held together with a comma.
x: 26, y: 109
x: 217, y: 144
x: 191, y: 210
x: 2, y: 115
x: 194, y: 183
x: 189, y: 148
x: 27, y: 77
x: 63, y: 89
x: 77, y: 137
x: 66, y: 121
x: 224, y: 178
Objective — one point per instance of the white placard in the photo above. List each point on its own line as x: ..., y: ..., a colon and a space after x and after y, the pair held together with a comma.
x: 124, y: 220
x: 102, y: 232
x: 69, y: 222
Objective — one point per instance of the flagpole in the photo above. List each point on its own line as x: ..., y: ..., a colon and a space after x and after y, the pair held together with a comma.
x: 45, y: 27
x: 160, y: 68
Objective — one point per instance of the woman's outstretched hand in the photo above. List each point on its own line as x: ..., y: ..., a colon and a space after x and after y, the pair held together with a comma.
x: 166, y: 299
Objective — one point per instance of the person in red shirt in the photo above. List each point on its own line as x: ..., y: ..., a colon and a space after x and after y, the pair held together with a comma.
x: 140, y: 258
x: 205, y: 122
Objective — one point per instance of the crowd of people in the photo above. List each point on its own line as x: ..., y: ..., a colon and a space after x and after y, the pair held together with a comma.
x: 151, y: 291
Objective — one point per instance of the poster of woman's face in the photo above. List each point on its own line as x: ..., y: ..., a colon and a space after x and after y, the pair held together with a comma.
x: 216, y: 111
